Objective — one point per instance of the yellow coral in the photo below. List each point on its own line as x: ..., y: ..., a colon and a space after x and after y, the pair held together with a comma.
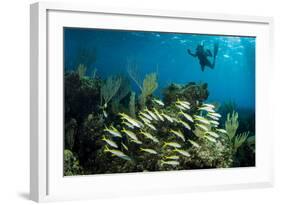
x: 231, y: 124
x: 149, y: 86
x: 81, y: 70
x: 109, y: 89
x: 132, y: 108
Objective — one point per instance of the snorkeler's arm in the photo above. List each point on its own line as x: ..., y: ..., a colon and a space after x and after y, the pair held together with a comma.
x: 192, y: 54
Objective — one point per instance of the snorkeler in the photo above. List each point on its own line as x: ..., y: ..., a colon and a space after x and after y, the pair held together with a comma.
x: 203, y: 55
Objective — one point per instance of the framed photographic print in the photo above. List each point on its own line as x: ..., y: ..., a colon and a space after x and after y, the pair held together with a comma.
x: 147, y: 101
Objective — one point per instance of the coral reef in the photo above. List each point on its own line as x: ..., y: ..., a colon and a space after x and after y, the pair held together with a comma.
x: 239, y: 143
x: 81, y: 70
x: 81, y: 96
x: 147, y: 86
x: 132, y: 105
x: 186, y: 137
x: 70, y: 129
x: 71, y: 164
x: 108, y: 131
x: 109, y: 89
x: 231, y: 124
x: 122, y: 93
x: 190, y: 92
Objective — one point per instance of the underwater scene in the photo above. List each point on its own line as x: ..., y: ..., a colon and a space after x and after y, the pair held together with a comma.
x: 141, y: 101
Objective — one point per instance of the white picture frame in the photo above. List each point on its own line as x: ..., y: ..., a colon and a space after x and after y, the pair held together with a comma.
x: 46, y: 178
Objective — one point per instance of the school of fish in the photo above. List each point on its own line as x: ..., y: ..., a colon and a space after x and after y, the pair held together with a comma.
x: 137, y: 131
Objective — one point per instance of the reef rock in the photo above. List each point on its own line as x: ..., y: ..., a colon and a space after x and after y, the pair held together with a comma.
x: 190, y: 92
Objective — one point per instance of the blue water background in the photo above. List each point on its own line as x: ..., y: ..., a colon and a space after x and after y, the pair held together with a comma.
x: 232, y: 79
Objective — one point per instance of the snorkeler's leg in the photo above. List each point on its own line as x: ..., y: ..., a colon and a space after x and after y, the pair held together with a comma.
x: 202, y: 67
x: 214, y: 62
x: 209, y: 53
x: 216, y: 49
x: 209, y: 64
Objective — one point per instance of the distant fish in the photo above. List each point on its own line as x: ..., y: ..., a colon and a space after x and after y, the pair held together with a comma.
x: 184, y: 124
x: 147, y: 116
x: 137, y: 141
x: 110, y: 142
x: 187, y: 116
x: 208, y: 105
x: 130, y: 134
x: 173, y: 157
x: 215, y: 114
x: 182, y: 152
x: 132, y: 121
x: 205, y: 108
x: 104, y: 113
x: 226, y: 56
x: 150, y: 126
x: 214, y: 122
x: 212, y: 117
x: 167, y: 117
x: 149, y: 136
x: 181, y: 107
x: 158, y: 115
x: 172, y: 144
x: 159, y: 102
x: 222, y: 131
x: 202, y: 127
x: 172, y: 162
x: 150, y: 151
x: 145, y: 120
x: 124, y: 146
x: 113, y: 131
x: 210, y: 138
x: 201, y: 119
x: 178, y: 134
x: 128, y: 124
x: 194, y: 143
x: 151, y: 114
x: 184, y: 104
x: 213, y: 134
x: 117, y: 153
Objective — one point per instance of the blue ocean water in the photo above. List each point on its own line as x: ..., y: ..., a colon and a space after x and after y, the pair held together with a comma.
x: 232, y: 79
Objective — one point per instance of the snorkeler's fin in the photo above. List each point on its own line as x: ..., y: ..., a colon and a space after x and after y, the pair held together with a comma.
x: 216, y: 49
